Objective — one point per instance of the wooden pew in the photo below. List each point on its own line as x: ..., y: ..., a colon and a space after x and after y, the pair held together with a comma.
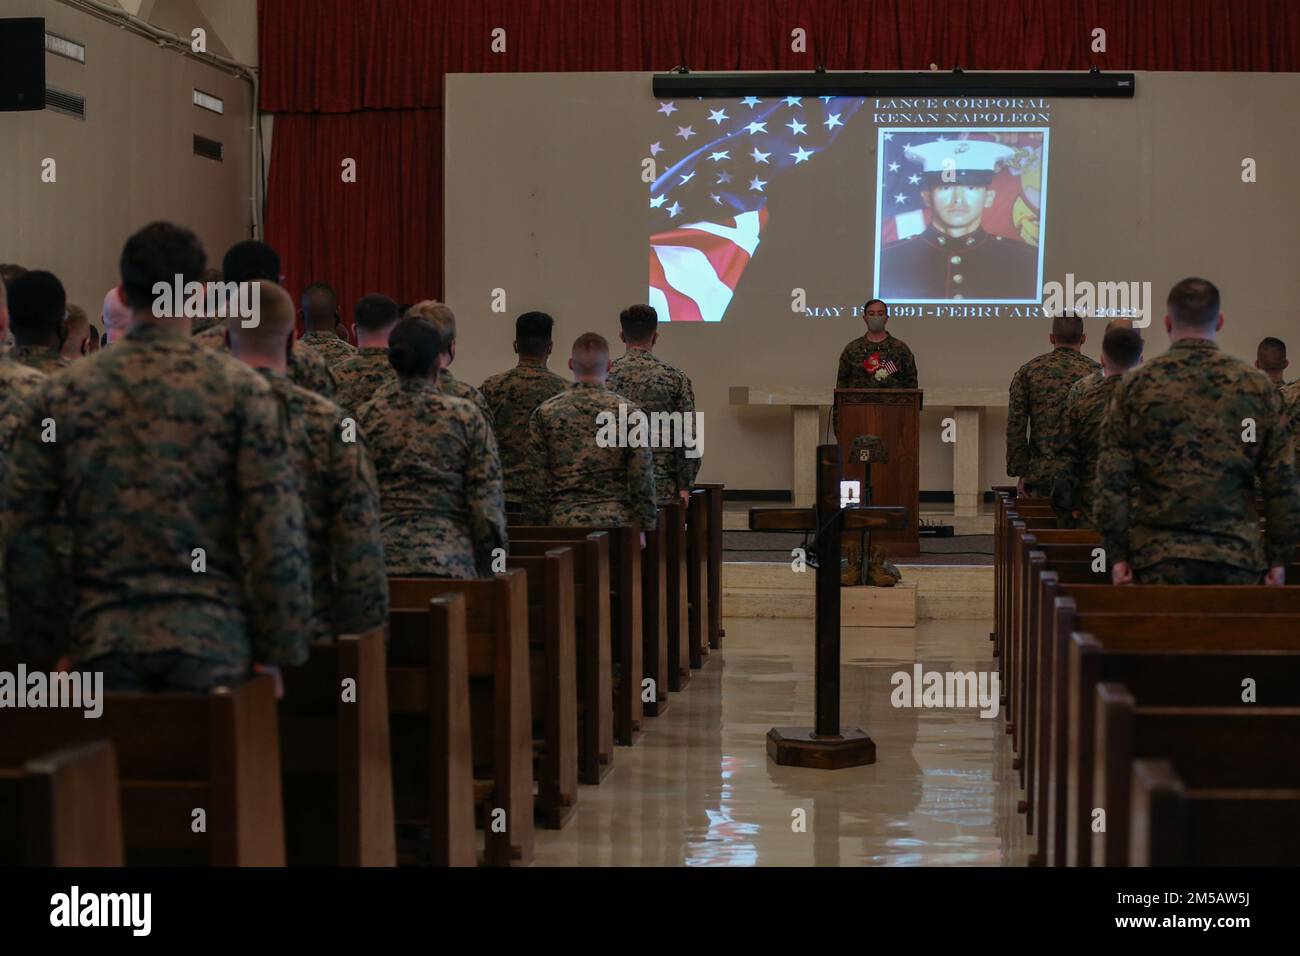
x: 178, y: 753
x: 1173, y: 677
x: 61, y: 808
x: 595, y: 677
x: 655, y: 569
x: 1174, y: 824
x: 1022, y: 540
x: 1008, y: 509
x: 496, y: 614
x: 1149, y: 618
x: 1212, y: 747
x: 334, y: 748
x: 679, y: 605
x: 697, y: 576
x: 1039, y: 680
x: 1071, y: 556
x: 552, y: 636
x: 625, y: 615
x: 1034, y: 653
x: 713, y: 557
x: 1001, y: 502
x: 429, y: 724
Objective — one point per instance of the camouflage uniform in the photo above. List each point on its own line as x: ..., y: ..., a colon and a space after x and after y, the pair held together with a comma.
x: 1075, y: 485
x: 1290, y: 394
x: 439, y: 481
x: 44, y: 360
x: 571, y: 480
x: 861, y: 361
x: 448, y: 384
x: 340, y: 504
x: 329, y: 346
x: 202, y: 323
x: 511, y: 397
x: 655, y: 386
x: 162, y: 447
x: 1174, y: 430
x: 858, y: 370
x: 360, y: 377
x: 17, y: 385
x: 306, y: 368
x: 1038, y: 397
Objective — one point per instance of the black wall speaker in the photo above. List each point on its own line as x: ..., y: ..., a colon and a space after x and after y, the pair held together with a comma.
x: 22, y: 63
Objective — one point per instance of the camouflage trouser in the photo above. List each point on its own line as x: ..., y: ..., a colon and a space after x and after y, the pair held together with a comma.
x: 163, y: 671
x: 1191, y: 571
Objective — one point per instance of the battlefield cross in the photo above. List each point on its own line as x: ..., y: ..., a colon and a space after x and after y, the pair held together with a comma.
x: 825, y: 746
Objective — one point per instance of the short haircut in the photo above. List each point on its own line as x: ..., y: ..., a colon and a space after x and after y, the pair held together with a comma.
x: 414, y: 346
x: 277, y: 319
x: 1122, y: 346
x: 1193, y: 303
x: 36, y: 305
x: 533, y: 333
x: 78, y: 322
x: 586, y: 345
x: 1067, y: 328
x: 639, y: 322
x: 320, y: 287
x: 9, y: 271
x: 250, y: 260
x: 374, y: 312
x: 158, y: 253
x: 871, y: 302
x: 441, y: 316
x: 1271, y: 354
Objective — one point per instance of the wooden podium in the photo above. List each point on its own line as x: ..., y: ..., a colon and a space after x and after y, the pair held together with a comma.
x: 894, y: 416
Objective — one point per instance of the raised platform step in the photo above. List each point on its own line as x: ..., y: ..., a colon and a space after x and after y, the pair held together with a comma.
x: 735, y: 517
x: 927, y: 592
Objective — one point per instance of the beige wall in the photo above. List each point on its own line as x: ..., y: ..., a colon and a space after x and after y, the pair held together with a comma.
x: 129, y: 162
x: 542, y: 201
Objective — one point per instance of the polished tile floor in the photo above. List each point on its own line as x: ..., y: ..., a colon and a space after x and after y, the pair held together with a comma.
x: 698, y: 788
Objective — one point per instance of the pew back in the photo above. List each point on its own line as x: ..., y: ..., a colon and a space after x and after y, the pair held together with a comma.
x: 429, y: 690
x: 62, y: 809
x: 496, y: 617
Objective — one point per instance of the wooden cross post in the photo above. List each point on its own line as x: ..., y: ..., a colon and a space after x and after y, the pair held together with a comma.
x: 827, y: 745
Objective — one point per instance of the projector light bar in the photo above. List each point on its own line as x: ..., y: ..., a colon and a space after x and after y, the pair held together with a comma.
x: 894, y: 84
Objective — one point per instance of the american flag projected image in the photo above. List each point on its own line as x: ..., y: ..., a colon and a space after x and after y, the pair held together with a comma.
x: 960, y: 214
x: 718, y: 162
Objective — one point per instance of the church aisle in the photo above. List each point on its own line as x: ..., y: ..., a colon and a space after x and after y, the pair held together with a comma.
x: 699, y: 790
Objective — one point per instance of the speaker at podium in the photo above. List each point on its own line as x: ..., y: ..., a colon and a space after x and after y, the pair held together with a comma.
x: 894, y: 416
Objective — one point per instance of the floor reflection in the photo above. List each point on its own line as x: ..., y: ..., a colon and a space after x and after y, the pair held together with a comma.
x: 698, y: 789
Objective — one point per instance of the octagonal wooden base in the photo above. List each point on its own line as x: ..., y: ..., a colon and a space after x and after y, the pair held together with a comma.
x: 800, y: 747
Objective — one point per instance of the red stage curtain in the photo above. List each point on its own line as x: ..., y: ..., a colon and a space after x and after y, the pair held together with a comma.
x: 382, y: 233
x: 322, y: 57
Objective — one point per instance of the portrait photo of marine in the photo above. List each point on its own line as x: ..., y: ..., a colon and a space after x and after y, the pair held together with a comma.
x: 960, y: 215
